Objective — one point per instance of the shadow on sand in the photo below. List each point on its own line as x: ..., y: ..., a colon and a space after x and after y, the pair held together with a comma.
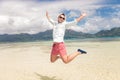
x: 46, y: 77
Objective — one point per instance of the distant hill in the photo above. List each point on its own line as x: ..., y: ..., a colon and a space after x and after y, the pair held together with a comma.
x: 70, y: 34
x: 47, y: 35
x: 114, y: 32
x: 24, y: 37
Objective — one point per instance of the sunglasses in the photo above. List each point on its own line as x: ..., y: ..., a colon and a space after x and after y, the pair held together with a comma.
x: 62, y: 17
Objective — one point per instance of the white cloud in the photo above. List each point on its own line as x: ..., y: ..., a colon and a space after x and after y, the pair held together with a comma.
x: 96, y: 24
x: 24, y: 16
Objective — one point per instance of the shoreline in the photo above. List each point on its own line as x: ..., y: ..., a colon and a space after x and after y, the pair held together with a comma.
x: 102, y: 39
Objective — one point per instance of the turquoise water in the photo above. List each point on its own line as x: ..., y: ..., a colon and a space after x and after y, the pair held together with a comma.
x: 104, y: 39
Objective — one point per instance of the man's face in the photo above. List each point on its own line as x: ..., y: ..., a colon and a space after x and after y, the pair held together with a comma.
x: 61, y: 18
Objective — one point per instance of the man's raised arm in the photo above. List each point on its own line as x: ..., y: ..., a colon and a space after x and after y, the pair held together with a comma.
x: 81, y: 17
x: 47, y: 15
x: 49, y: 19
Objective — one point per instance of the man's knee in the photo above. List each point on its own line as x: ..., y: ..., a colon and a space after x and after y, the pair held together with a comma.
x: 65, y: 61
x: 52, y: 60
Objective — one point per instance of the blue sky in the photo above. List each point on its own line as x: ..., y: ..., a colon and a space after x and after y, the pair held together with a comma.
x: 102, y: 1
x: 28, y: 16
x: 113, y: 2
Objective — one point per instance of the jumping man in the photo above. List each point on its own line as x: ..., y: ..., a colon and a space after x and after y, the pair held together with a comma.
x: 58, y: 48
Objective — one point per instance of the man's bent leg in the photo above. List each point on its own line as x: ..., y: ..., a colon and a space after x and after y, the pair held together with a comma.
x: 67, y: 58
x: 53, y: 58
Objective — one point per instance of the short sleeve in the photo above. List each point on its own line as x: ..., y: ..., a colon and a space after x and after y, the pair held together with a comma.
x: 72, y: 23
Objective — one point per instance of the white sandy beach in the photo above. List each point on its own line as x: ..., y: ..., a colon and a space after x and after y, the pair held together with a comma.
x: 30, y: 61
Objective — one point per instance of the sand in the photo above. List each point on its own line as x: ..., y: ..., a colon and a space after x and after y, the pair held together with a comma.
x: 30, y: 61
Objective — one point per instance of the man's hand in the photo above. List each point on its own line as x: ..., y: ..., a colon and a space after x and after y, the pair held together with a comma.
x: 84, y: 14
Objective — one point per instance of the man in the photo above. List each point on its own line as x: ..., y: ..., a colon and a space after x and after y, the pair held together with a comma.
x: 58, y: 48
